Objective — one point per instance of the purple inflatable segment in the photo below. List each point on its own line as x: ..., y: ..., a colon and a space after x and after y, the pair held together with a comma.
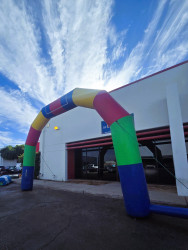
x: 108, y: 108
x: 33, y: 137
x: 56, y: 107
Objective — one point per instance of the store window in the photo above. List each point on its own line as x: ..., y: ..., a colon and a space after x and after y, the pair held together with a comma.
x: 157, y: 160
x: 99, y: 163
x: 90, y: 162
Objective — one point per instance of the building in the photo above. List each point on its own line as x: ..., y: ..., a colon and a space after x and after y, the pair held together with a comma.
x: 6, y: 163
x: 78, y: 144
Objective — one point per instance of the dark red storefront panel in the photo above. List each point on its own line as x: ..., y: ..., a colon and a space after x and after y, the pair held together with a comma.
x: 71, y: 164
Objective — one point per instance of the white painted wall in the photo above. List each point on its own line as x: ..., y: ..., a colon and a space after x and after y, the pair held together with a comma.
x: 7, y: 163
x: 146, y: 99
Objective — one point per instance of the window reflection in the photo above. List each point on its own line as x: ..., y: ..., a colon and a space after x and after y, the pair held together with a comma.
x: 99, y: 163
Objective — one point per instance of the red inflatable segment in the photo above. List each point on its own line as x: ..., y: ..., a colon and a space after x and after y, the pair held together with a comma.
x: 108, y: 108
x: 56, y: 107
x: 33, y: 137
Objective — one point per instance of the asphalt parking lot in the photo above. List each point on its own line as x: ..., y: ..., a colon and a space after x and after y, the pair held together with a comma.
x: 56, y: 219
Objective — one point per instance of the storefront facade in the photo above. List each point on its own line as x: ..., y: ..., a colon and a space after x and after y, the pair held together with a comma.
x: 78, y: 144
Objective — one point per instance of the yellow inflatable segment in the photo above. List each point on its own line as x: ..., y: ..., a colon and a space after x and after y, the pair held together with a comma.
x: 39, y: 122
x: 84, y: 97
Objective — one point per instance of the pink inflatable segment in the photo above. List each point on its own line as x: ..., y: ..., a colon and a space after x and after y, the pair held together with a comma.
x: 33, y: 137
x: 56, y: 107
x: 108, y: 108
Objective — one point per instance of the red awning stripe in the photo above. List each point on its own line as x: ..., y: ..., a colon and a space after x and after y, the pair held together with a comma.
x: 90, y: 141
x: 84, y: 144
x: 91, y: 145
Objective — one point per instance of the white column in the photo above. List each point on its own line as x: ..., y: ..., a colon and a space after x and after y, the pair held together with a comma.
x: 42, y: 150
x: 177, y: 138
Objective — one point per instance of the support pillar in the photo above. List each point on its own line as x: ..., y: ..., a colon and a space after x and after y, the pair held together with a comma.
x: 177, y: 138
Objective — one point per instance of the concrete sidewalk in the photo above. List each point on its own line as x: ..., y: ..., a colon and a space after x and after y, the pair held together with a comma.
x: 159, y: 194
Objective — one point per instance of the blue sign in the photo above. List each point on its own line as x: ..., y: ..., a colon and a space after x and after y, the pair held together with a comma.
x: 105, y: 129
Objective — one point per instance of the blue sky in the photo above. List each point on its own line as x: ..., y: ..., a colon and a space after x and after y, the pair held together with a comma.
x: 48, y: 48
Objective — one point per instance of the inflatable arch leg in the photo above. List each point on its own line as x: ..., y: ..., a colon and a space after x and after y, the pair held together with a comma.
x: 125, y: 143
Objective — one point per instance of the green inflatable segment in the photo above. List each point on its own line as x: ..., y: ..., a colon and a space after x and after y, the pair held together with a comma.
x: 125, y: 141
x: 29, y: 156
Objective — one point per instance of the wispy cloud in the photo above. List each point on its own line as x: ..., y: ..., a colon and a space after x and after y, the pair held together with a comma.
x: 16, y: 116
x: 20, y: 52
x: 169, y: 45
x: 16, y: 109
x: 77, y: 38
x: 7, y: 138
x: 78, y: 35
x: 164, y: 44
x: 47, y: 48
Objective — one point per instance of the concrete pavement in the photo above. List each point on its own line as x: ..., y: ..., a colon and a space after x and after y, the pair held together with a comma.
x: 159, y: 194
x: 50, y: 218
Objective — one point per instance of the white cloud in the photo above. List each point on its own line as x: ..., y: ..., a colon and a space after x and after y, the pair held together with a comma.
x: 118, y: 46
x: 7, y: 138
x: 20, y: 52
x: 170, y: 44
x: 78, y: 36
x: 16, y: 109
x: 163, y: 44
x: 77, y: 33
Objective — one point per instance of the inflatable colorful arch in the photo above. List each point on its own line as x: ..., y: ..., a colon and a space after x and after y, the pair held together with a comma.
x: 125, y: 143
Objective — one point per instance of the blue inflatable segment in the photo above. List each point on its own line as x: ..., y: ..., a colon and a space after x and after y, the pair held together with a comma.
x: 5, y: 180
x: 46, y: 112
x: 170, y: 211
x: 134, y: 188
x: 27, y: 178
x: 67, y: 102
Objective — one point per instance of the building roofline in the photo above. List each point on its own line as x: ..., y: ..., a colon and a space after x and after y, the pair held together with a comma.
x: 159, y: 72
